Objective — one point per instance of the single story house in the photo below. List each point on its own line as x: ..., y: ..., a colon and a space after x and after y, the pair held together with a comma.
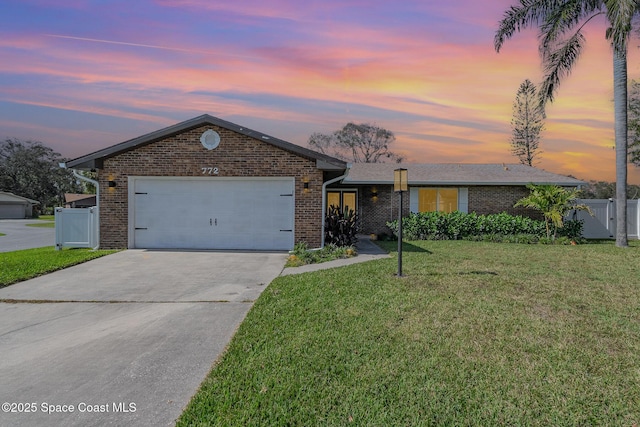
x: 447, y: 187
x: 72, y: 200
x: 16, y: 207
x: 206, y: 183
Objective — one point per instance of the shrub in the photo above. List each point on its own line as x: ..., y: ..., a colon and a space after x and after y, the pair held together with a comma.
x: 572, y: 229
x: 500, y: 227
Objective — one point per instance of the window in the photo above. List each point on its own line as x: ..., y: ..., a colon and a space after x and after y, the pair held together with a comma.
x: 437, y: 199
x: 342, y: 199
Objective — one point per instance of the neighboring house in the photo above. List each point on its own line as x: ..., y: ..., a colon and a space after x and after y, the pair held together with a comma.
x: 210, y: 184
x: 16, y: 207
x: 72, y: 200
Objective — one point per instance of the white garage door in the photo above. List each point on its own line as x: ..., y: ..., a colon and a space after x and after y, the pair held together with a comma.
x: 218, y: 213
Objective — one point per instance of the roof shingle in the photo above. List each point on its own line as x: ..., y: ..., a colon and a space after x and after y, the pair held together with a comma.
x: 456, y: 174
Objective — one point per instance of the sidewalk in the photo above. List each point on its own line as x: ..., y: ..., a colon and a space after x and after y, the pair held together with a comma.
x: 367, y: 251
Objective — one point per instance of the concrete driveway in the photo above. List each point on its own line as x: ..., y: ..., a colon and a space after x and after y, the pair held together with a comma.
x: 122, y: 340
x: 18, y: 236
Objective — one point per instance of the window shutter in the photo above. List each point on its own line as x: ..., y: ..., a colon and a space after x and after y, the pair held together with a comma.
x: 463, y: 200
x: 413, y: 199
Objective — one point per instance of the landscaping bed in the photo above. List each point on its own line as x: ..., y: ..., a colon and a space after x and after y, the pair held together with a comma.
x: 302, y: 255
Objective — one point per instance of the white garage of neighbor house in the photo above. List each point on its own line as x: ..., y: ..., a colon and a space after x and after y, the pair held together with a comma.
x: 210, y: 184
x: 15, y: 207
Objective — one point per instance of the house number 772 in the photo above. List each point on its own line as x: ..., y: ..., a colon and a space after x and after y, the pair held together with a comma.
x: 210, y: 171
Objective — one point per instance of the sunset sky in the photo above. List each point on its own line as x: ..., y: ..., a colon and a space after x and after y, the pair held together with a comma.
x: 81, y: 75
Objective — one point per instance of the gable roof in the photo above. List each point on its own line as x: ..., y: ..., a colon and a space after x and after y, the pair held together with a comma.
x: 457, y: 174
x: 95, y: 160
x: 6, y: 197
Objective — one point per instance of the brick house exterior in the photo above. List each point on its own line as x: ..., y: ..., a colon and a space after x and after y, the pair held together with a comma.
x: 177, y: 152
x: 168, y: 175
x: 483, y: 189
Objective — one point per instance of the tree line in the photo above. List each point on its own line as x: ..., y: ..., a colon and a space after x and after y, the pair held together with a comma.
x: 30, y: 169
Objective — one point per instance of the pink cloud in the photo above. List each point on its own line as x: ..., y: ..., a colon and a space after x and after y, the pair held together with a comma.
x: 447, y: 101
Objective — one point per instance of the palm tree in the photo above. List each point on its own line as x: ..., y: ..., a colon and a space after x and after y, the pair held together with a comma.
x: 554, y: 202
x: 561, y: 42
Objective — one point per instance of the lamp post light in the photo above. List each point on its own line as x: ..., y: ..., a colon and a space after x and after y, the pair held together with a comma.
x: 400, y: 185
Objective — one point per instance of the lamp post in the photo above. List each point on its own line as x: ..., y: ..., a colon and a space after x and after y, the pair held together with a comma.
x: 400, y: 185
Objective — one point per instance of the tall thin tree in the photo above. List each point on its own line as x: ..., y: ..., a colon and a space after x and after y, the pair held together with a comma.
x: 527, y: 124
x: 561, y: 24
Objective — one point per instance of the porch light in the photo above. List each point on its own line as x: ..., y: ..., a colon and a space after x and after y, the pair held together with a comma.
x: 305, y: 184
x: 374, y: 194
x: 400, y: 180
x: 111, y: 184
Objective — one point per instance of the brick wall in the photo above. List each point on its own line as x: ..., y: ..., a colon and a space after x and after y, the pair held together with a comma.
x: 183, y: 155
x: 374, y: 214
x: 485, y: 200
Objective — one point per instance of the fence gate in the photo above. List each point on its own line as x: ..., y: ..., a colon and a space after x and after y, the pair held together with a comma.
x: 76, y: 227
x: 602, y: 225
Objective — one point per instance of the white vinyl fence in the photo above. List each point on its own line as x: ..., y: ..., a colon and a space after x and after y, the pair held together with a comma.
x: 602, y: 225
x: 76, y: 228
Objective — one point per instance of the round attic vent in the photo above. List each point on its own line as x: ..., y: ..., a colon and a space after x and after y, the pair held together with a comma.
x: 210, y: 139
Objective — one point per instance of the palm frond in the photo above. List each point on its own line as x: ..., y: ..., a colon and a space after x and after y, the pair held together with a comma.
x: 564, y: 18
x: 620, y: 13
x: 557, y: 65
x: 516, y: 18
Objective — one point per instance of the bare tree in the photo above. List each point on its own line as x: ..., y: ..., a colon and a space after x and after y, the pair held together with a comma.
x: 527, y: 124
x: 359, y: 143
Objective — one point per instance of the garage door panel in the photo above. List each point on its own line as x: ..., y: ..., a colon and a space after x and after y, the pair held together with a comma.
x: 12, y: 211
x: 213, y: 214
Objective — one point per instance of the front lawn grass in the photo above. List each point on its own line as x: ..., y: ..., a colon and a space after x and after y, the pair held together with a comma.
x: 475, y: 334
x: 43, y: 224
x: 22, y: 265
x: 47, y: 221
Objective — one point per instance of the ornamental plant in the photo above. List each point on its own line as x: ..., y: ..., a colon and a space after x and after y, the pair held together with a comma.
x: 554, y: 202
x: 341, y: 226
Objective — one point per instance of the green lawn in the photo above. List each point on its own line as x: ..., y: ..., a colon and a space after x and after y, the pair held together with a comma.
x: 43, y: 224
x: 475, y: 334
x: 47, y: 221
x: 26, y: 264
